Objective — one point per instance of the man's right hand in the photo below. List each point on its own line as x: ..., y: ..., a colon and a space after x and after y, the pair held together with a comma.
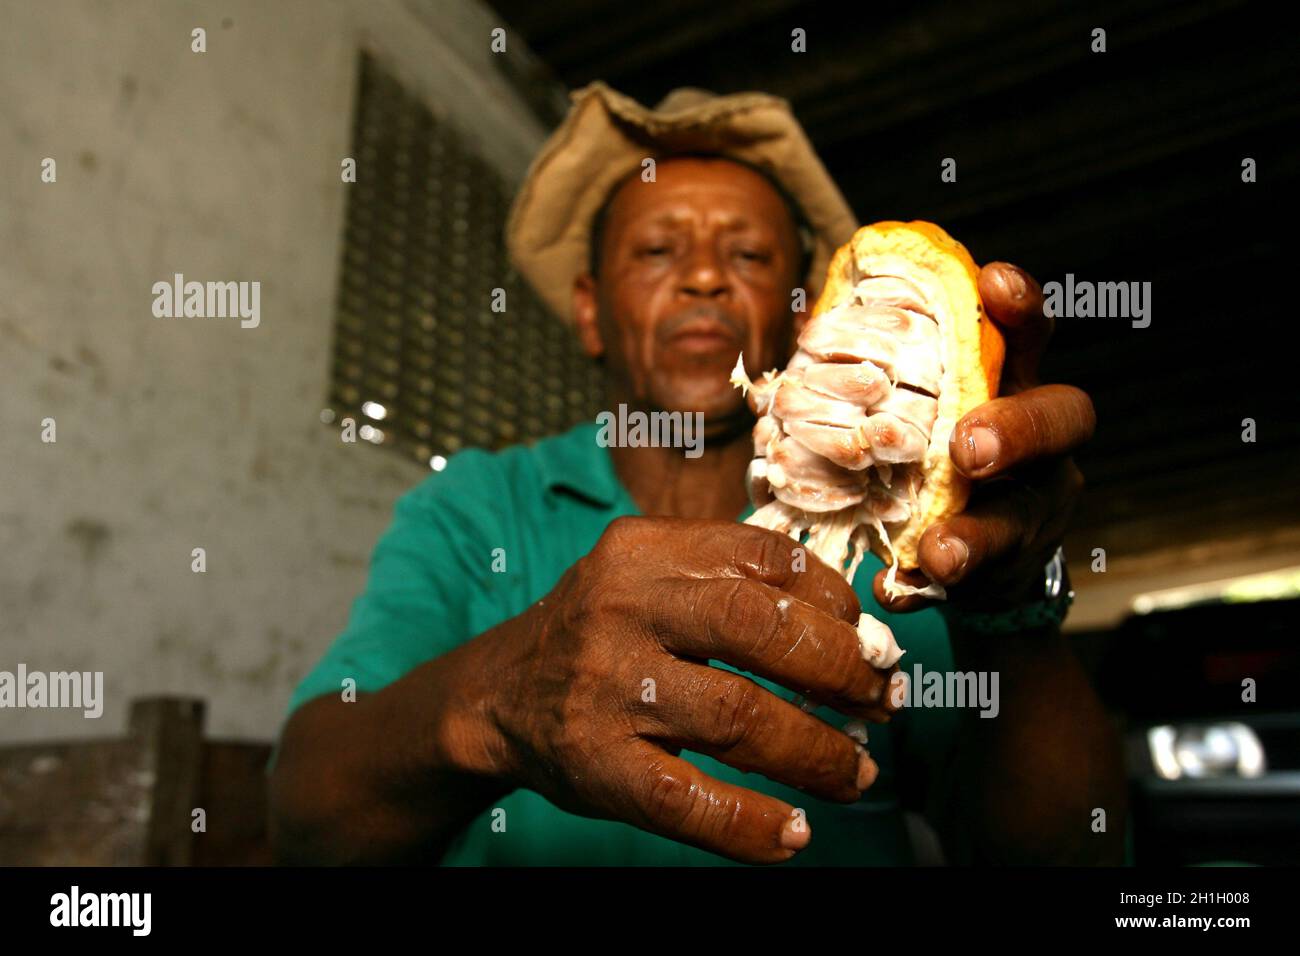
x: 579, y: 721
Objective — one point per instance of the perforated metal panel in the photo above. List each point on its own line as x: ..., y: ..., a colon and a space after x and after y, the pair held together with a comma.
x: 415, y: 332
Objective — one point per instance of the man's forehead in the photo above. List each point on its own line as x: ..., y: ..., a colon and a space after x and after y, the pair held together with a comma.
x: 665, y: 212
x: 682, y: 178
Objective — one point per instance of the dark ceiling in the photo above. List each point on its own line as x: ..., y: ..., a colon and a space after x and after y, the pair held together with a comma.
x: 1115, y: 166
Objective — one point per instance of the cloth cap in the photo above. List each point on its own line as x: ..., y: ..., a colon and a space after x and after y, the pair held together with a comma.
x: 607, y: 135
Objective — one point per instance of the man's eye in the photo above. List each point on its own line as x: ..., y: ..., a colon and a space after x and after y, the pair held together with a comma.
x: 655, y: 250
x: 753, y: 255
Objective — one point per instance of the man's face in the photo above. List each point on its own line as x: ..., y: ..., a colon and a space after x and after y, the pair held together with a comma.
x: 696, y: 267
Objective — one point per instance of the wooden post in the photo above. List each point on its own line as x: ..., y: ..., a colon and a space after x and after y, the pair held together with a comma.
x: 171, y: 731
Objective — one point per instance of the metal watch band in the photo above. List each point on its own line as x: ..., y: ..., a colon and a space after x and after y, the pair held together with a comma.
x: 1051, y: 610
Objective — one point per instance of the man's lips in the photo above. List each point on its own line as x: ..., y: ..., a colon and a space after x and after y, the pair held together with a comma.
x: 705, y: 334
x: 704, y: 339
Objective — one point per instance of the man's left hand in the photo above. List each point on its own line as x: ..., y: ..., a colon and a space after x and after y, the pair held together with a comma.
x: 1016, y: 449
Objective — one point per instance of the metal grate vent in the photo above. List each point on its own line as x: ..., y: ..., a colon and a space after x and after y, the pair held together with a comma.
x: 421, y: 361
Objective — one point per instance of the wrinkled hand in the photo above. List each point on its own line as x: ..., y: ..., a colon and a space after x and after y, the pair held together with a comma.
x: 655, y: 600
x: 1016, y: 448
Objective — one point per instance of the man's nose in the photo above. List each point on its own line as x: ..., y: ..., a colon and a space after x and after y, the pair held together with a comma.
x: 703, y: 276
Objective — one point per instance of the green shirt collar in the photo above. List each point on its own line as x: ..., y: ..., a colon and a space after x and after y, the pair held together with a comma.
x: 575, y: 463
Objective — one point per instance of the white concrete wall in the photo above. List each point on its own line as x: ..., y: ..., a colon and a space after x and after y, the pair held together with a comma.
x: 176, y: 434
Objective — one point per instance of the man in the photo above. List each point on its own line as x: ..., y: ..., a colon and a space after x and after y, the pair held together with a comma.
x: 621, y: 690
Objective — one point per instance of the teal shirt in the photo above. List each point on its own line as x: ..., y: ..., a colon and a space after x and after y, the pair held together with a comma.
x: 432, y: 587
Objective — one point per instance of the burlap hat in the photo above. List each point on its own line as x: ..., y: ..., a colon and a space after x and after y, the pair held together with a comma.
x: 606, y: 135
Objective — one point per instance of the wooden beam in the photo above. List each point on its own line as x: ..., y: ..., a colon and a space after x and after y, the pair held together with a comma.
x: 171, y: 729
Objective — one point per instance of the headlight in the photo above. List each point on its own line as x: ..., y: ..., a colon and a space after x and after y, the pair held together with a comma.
x: 1206, y: 750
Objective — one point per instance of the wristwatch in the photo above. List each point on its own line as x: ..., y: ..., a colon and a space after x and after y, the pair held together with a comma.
x: 1057, y: 598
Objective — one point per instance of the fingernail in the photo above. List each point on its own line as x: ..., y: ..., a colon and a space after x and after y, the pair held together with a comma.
x: 1015, y: 283
x: 857, y: 730
x: 983, y: 446
x: 796, y: 833
x: 867, y: 770
x: 953, y: 555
